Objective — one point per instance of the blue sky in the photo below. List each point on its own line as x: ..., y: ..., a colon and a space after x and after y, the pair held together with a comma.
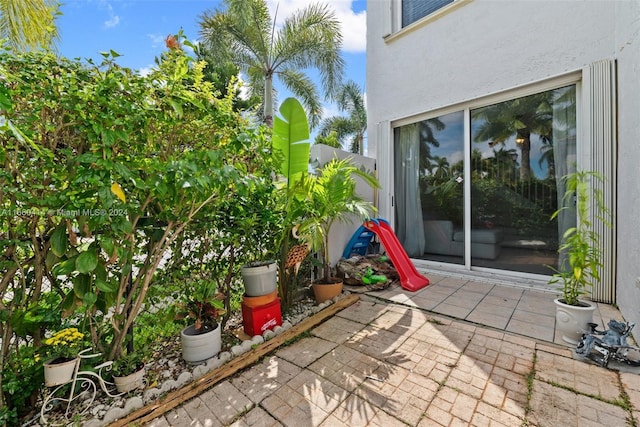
x: 136, y: 29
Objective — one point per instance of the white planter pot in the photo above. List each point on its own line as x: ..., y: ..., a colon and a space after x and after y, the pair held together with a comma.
x: 260, y: 280
x: 572, y: 321
x: 198, y: 347
x: 59, y: 373
x: 129, y: 382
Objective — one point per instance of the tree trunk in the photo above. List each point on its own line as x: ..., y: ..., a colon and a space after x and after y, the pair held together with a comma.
x: 525, y: 158
x: 268, y: 100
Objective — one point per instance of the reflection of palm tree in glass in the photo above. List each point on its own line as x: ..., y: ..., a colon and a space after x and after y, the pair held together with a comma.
x: 440, y: 168
x: 427, y: 140
x: 521, y: 118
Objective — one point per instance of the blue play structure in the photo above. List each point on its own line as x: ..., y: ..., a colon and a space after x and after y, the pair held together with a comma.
x: 360, y: 241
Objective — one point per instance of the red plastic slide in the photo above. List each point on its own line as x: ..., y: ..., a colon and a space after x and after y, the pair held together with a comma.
x: 410, y: 279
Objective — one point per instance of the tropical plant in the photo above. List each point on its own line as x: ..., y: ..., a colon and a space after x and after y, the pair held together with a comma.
x: 246, y: 34
x: 128, y: 364
x: 291, y: 138
x: 331, y: 196
x: 581, y: 244
x: 29, y: 24
x: 203, y: 304
x: 353, y: 126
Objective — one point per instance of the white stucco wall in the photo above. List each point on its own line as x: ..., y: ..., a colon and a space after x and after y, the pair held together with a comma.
x: 486, y: 47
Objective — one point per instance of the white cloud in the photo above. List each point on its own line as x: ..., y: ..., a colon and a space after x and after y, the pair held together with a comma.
x: 157, y: 40
x: 354, y: 25
x: 113, y: 20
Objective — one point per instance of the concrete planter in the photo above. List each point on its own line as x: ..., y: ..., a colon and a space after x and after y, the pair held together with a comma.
x: 572, y: 321
x: 260, y: 279
x: 197, y: 347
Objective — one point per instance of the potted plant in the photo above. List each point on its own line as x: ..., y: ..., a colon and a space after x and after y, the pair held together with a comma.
x: 581, y: 255
x: 62, y: 350
x: 204, y: 305
x: 128, y: 372
x: 331, y: 196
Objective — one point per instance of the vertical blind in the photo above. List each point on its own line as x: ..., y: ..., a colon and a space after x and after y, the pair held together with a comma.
x: 601, y: 118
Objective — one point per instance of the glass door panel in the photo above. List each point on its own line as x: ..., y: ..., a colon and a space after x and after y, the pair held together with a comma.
x: 429, y: 188
x: 520, y: 149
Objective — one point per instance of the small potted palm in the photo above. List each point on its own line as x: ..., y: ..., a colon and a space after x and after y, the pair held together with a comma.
x: 331, y: 196
x: 582, y: 256
x: 205, y: 306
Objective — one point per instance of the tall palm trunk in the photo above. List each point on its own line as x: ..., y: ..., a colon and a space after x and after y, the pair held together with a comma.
x: 268, y: 99
x: 523, y: 139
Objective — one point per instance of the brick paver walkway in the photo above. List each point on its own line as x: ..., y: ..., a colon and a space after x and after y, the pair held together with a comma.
x: 377, y: 364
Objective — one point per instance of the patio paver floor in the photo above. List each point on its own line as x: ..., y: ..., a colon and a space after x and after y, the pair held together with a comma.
x: 381, y: 364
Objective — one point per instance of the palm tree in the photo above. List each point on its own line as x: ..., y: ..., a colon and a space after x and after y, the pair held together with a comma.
x: 520, y: 118
x: 29, y: 24
x: 350, y: 99
x: 245, y: 33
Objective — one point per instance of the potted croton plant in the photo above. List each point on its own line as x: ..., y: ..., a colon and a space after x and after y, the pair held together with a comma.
x: 582, y: 255
x: 205, y: 306
x: 331, y: 196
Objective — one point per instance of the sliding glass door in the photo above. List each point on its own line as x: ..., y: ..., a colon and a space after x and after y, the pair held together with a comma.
x: 517, y: 152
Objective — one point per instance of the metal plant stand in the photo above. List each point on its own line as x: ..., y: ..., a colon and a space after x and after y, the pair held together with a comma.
x: 80, y: 391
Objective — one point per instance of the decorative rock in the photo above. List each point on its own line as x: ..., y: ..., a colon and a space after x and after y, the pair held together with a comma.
x: 96, y: 409
x: 132, y: 404
x: 152, y: 394
x: 225, y: 356
x: 278, y: 330
x: 237, y: 350
x: 213, y: 363
x: 113, y: 414
x: 183, y: 379
x: 166, y: 374
x: 199, y: 371
x: 246, y: 345
x: 286, y: 325
x: 168, y: 385
x: 268, y: 335
x: 93, y: 423
x: 257, y: 340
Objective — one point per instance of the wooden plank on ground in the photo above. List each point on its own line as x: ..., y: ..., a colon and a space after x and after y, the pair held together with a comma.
x: 178, y: 397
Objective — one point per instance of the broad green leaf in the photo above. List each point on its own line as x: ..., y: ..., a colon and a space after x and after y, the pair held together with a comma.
x: 87, y: 261
x: 64, y: 268
x: 105, y: 286
x: 68, y: 304
x: 81, y: 285
x: 89, y: 298
x: 59, y: 240
x: 291, y: 136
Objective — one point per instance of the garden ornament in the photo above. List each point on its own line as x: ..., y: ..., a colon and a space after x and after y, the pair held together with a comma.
x: 603, y: 346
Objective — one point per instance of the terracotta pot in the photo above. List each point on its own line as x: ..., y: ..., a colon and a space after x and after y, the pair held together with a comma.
x: 129, y: 382
x: 326, y: 291
x: 572, y: 320
x: 59, y: 373
x: 259, y: 301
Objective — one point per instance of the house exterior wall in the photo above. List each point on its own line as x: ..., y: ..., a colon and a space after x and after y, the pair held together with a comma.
x: 485, y: 47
